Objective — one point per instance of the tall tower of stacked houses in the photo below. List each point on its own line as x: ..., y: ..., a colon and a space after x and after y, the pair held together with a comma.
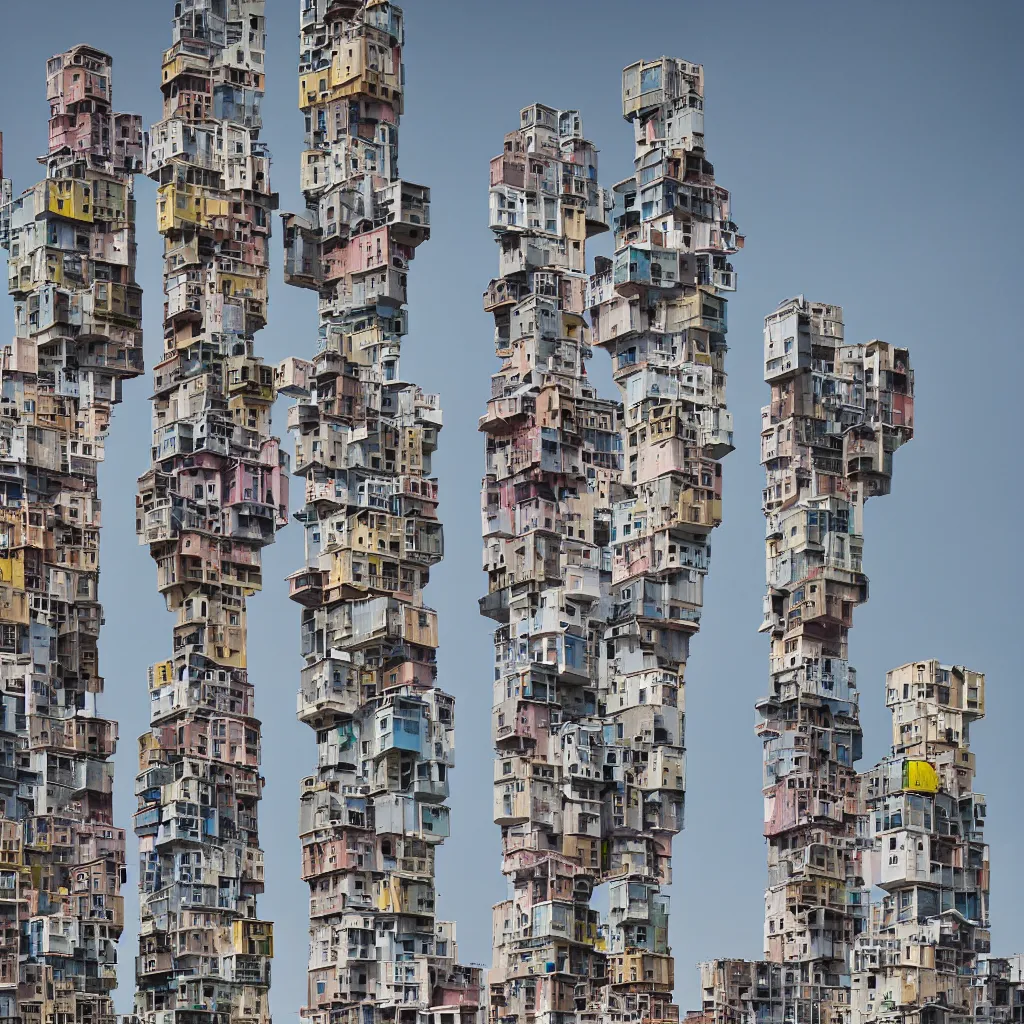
x: 373, y: 813
x: 838, y: 412
x: 214, y: 497
x: 919, y: 960
x: 77, y: 337
x: 659, y: 310
x: 909, y: 829
x: 554, y: 458
x: 596, y: 519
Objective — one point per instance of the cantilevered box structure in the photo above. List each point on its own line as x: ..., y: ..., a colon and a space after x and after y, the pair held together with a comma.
x: 77, y: 337
x: 214, y: 497
x: 373, y: 812
x: 596, y: 519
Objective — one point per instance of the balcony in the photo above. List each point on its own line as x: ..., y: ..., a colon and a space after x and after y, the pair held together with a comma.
x: 306, y: 587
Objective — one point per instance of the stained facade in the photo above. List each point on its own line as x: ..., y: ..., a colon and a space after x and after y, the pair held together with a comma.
x: 596, y: 521
x: 373, y: 813
x: 999, y: 989
x: 77, y: 338
x: 214, y: 497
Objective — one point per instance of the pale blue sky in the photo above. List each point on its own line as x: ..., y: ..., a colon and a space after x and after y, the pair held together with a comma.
x: 874, y: 154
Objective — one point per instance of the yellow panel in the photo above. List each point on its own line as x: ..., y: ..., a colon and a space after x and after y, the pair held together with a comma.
x: 68, y: 199
x: 920, y: 777
x: 12, y: 570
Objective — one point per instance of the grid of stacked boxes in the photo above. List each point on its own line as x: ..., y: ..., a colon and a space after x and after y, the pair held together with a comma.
x: 373, y: 814
x: 215, y: 496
